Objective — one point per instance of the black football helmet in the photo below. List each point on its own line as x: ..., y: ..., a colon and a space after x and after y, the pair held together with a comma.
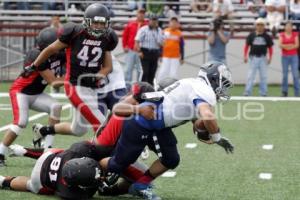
x: 138, y: 88
x: 219, y: 77
x: 82, y: 172
x: 96, y: 13
x: 46, y: 37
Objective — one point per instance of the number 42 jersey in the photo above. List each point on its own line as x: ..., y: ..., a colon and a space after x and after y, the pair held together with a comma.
x: 85, y: 53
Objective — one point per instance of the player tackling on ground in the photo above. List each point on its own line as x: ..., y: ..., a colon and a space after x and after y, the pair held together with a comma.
x: 185, y: 100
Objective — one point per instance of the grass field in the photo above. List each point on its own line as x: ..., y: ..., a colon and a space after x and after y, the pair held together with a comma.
x: 207, y: 172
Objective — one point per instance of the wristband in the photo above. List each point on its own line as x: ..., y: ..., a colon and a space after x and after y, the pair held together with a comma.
x: 216, y: 137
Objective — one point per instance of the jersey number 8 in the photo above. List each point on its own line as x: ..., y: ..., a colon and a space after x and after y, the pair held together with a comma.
x: 84, y: 56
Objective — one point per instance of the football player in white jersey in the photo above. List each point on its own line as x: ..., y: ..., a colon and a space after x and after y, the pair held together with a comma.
x: 185, y: 100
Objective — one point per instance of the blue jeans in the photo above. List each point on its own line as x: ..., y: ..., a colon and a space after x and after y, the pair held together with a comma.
x: 133, y: 61
x: 295, y: 16
x: 260, y: 64
x: 293, y: 62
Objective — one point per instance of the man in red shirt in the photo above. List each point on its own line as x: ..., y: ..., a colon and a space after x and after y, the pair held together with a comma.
x: 132, y: 57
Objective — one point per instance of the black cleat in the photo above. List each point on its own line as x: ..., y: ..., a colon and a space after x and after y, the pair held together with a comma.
x: 2, y: 161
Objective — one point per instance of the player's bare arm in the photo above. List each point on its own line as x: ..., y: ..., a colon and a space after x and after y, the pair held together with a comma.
x: 49, y: 76
x: 107, y: 64
x: 210, y: 124
x: 49, y: 51
x: 126, y: 109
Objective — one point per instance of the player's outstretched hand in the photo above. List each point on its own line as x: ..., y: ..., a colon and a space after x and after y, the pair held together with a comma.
x: 226, y: 144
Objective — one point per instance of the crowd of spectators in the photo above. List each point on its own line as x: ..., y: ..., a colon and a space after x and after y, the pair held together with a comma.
x: 146, y: 45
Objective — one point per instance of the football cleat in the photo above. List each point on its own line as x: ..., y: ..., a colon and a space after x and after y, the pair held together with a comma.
x: 37, y: 136
x: 2, y: 161
x: 143, y: 191
x: 16, y: 150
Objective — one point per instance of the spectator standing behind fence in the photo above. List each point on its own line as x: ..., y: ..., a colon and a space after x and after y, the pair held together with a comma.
x: 275, y: 11
x: 172, y: 52
x: 148, y: 42
x: 259, y: 42
x: 289, y: 43
x: 217, y: 40
x: 128, y: 40
x: 295, y: 12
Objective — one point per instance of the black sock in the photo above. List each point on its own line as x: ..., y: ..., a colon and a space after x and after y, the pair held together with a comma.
x: 6, y: 182
x: 47, y: 130
x: 33, y: 153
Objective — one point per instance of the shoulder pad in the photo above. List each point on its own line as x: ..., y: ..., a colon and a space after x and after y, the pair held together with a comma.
x: 113, y: 39
x: 31, y: 56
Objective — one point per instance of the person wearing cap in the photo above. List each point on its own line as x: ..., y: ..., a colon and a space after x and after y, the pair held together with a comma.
x: 172, y: 52
x: 259, y: 43
x: 132, y: 56
x: 289, y: 44
x: 148, y: 42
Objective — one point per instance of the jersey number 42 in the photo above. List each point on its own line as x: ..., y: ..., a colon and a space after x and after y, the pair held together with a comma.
x: 89, y: 58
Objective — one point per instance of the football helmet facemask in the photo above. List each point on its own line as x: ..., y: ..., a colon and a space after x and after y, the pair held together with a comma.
x: 96, y: 13
x: 219, y: 77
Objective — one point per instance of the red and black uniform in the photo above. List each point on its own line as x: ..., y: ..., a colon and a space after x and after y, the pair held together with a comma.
x: 27, y: 90
x: 50, y: 171
x: 84, y: 57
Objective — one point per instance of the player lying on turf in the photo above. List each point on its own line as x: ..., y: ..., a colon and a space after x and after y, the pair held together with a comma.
x: 185, y: 100
x: 27, y: 90
x: 70, y: 174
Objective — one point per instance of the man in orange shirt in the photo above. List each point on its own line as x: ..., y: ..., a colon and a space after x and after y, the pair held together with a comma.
x: 173, y: 51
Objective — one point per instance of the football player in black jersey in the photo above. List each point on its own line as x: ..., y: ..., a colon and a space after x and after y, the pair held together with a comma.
x: 74, y: 173
x: 89, y: 61
x: 27, y: 90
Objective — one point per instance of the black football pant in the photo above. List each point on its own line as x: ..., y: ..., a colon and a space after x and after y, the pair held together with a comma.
x: 149, y: 64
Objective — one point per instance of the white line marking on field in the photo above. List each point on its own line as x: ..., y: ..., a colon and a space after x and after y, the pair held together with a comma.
x: 5, y: 109
x: 169, y: 174
x: 267, y: 146
x: 35, y: 117
x: 265, y: 176
x: 191, y: 145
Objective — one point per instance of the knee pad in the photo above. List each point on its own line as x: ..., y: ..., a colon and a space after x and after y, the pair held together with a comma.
x: 171, y: 161
x: 17, y: 129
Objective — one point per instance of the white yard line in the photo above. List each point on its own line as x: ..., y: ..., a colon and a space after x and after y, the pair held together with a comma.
x: 265, y: 176
x: 267, y: 146
x: 169, y: 174
x: 190, y: 145
x: 35, y: 117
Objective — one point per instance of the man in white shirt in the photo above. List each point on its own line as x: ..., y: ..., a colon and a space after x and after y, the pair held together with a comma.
x: 275, y: 11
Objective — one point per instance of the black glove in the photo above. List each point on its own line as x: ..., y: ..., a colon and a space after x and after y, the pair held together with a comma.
x: 28, y: 70
x: 100, y: 83
x: 226, y: 144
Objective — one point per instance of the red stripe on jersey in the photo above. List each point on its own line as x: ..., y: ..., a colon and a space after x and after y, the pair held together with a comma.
x: 81, y: 106
x: 15, y: 106
x: 21, y: 82
x: 111, y: 133
x: 46, y: 191
x: 68, y: 63
x: 133, y: 173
